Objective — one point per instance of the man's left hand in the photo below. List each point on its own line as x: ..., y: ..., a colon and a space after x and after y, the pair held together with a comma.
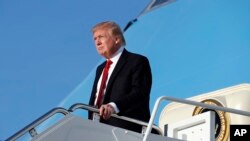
x: 106, y: 111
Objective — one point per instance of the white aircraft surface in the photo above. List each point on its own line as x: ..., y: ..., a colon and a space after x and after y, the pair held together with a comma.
x: 199, y: 53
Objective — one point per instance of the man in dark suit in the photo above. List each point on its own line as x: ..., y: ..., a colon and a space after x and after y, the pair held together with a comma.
x: 127, y: 89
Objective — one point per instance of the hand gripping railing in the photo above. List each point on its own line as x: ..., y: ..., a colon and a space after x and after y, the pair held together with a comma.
x: 189, y: 102
x: 31, y: 127
x: 92, y: 109
x: 32, y: 131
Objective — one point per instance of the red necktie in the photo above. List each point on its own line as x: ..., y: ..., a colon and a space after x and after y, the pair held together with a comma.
x: 103, y: 84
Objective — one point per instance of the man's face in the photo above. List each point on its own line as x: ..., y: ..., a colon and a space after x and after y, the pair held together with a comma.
x: 106, y: 44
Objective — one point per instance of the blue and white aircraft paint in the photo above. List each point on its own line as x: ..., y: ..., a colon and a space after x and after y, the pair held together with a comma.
x: 194, y: 47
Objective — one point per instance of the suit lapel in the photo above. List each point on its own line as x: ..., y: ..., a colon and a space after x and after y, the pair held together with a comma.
x: 97, y: 77
x: 121, y: 62
x: 99, y: 71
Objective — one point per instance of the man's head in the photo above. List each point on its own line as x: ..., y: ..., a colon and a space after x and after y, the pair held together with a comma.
x: 108, y: 38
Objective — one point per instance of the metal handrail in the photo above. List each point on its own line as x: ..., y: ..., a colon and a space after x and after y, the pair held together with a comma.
x: 93, y: 109
x: 31, y: 127
x: 82, y: 106
x: 189, y: 102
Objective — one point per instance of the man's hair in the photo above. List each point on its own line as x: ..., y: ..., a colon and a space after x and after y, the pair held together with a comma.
x: 112, y: 27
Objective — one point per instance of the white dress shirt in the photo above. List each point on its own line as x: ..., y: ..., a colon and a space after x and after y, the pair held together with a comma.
x: 114, y: 59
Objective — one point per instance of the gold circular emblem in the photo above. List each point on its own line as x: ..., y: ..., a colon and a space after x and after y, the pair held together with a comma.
x: 221, y: 119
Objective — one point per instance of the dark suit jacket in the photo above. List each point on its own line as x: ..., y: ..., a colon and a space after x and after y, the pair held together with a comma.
x: 129, y: 88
